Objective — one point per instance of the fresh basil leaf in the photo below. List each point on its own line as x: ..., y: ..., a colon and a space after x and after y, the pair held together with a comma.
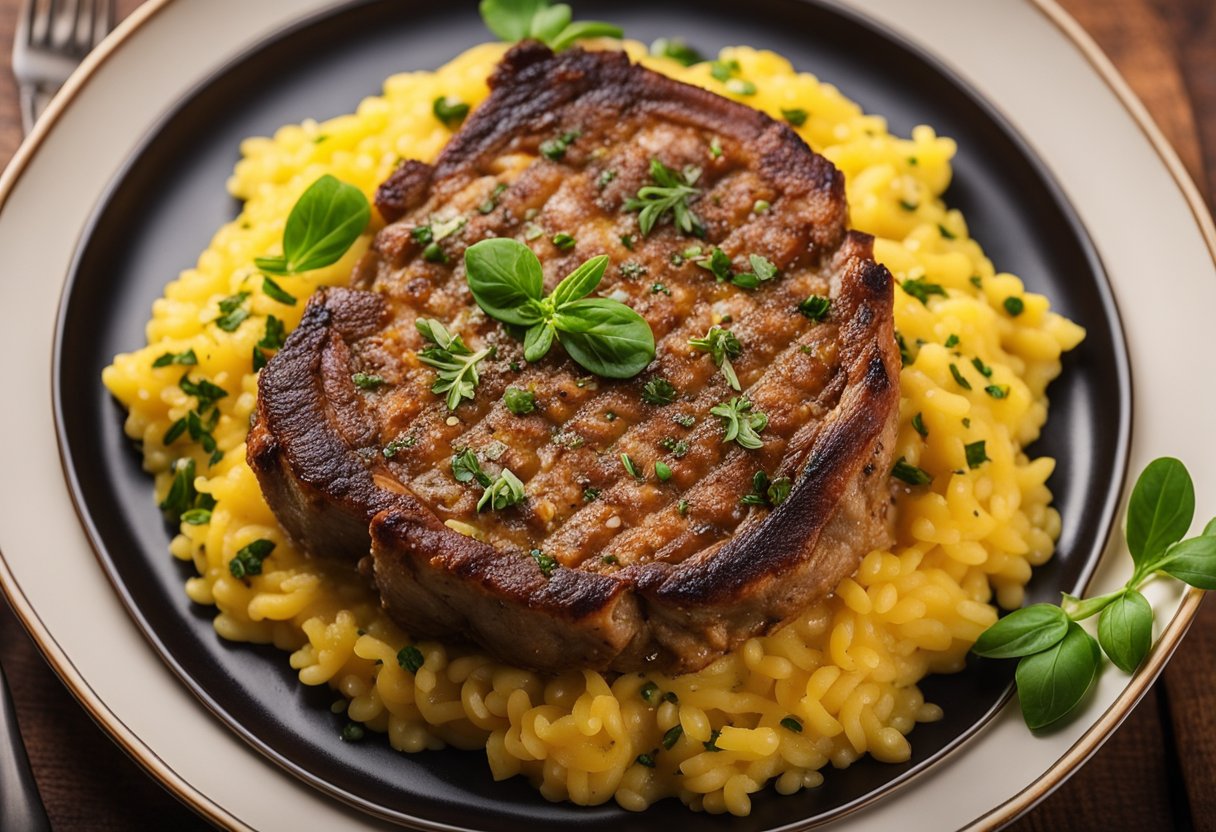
x: 548, y: 23
x: 1210, y: 529
x: 324, y: 223
x: 605, y: 336
x: 580, y: 282
x: 1192, y: 561
x: 1125, y: 630
x: 1022, y: 632
x: 1052, y: 683
x: 582, y: 29
x: 511, y: 20
x: 1160, y: 510
x: 506, y: 280
x: 538, y: 340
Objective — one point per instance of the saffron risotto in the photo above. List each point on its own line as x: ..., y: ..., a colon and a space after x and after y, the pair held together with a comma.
x: 838, y: 682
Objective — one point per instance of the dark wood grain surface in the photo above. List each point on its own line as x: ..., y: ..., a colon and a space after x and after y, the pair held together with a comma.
x: 1157, y: 772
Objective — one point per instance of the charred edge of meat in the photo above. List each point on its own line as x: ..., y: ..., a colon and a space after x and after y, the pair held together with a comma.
x: 300, y: 444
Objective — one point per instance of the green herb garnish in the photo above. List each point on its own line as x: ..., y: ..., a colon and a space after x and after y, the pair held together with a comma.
x: 795, y: 116
x: 976, y: 453
x: 762, y: 271
x: 232, y: 312
x: 670, y: 193
x: 466, y: 468
x: 958, y: 377
x: 659, y: 391
x: 711, y: 744
x: 367, y: 381
x: 504, y: 492
x: 663, y: 471
x: 677, y: 50
x: 739, y: 422
x: 909, y: 473
x: 450, y: 111
x: 544, y: 562
x: 564, y: 241
x: 918, y: 425
x: 455, y: 363
x: 520, y: 402
x: 410, y: 658
x: 645, y: 760
x: 792, y: 723
x: 515, y: 20
x: 1058, y: 658
x: 602, y: 335
x: 353, y: 732
x: 555, y: 149
x: 672, y: 737
x: 1014, y: 306
x: 184, y: 359
x: 921, y: 289
x: 397, y: 446
x: 183, y: 497
x: 322, y: 226
x: 722, y: 346
x: 248, y: 560
x: 631, y: 468
x: 815, y: 308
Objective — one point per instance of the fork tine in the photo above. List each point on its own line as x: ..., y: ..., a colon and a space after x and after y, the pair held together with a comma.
x: 63, y: 15
x: 103, y: 20
x: 36, y: 17
x: 82, y: 27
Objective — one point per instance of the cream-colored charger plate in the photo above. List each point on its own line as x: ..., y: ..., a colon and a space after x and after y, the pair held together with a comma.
x: 1037, y: 67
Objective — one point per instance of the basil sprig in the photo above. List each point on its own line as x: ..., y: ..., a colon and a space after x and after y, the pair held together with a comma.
x: 603, y: 335
x: 1058, y: 658
x: 552, y: 25
x: 323, y: 224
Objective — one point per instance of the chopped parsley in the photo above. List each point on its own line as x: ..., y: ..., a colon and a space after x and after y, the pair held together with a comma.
x: 669, y: 194
x: 491, y: 202
x: 767, y: 493
x: 659, y: 391
x: 1014, y: 306
x: 183, y: 497
x: 646, y: 760
x: 951, y: 341
x: 367, y: 381
x: 631, y: 270
x: 450, y: 111
x: 684, y: 420
x: 815, y: 308
x: 466, y: 468
x: 353, y: 732
x: 232, y: 312
x: 630, y: 468
x: 722, y: 346
x: 520, y: 402
x: 740, y: 423
x: 248, y: 560
x: 997, y: 391
x: 905, y: 355
x: 504, y: 492
x: 740, y: 86
x: 606, y: 176
x: 648, y: 690
x: 795, y: 116
x: 945, y: 232
x: 958, y: 377
x: 563, y: 241
x: 397, y: 446
x: 762, y: 271
x: 410, y: 658
x: 921, y: 289
x: 184, y: 359
x: 555, y: 149
x: 983, y: 368
x: 909, y: 473
x: 672, y: 737
x: 660, y: 289
x: 677, y: 50
x: 792, y: 723
x: 677, y: 448
x: 761, y: 206
x: 590, y: 494
x: 682, y: 508
x: 663, y: 471
x: 977, y: 454
x: 918, y: 425
x: 711, y: 744
x: 544, y: 562
x: 455, y: 363
x: 275, y: 292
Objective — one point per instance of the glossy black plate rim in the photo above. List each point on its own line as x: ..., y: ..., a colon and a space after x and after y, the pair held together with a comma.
x: 1104, y: 523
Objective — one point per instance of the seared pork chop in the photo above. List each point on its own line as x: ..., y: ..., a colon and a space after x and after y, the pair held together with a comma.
x: 605, y: 563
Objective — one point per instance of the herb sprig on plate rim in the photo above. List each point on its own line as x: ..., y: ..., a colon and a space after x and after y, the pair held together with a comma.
x: 1058, y: 659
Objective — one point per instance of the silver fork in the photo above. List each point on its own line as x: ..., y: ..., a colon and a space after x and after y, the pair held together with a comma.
x: 53, y: 36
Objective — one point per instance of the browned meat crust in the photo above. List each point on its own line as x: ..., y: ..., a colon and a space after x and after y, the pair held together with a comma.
x: 653, y: 574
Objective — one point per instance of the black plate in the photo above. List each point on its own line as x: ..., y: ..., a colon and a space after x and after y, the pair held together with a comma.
x: 163, y: 208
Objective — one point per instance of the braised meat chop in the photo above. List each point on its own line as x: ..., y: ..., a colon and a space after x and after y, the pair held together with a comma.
x: 597, y: 567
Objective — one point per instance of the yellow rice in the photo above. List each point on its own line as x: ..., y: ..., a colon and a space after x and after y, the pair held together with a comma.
x: 846, y: 669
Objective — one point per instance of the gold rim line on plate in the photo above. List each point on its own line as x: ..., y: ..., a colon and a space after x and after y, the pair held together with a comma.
x: 1038, y: 790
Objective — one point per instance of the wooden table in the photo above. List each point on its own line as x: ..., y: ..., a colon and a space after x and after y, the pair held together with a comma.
x: 1157, y: 772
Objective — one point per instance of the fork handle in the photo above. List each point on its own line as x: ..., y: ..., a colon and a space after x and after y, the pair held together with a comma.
x: 20, y: 804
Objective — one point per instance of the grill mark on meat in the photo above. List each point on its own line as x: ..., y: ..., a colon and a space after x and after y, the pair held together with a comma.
x: 641, y: 584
